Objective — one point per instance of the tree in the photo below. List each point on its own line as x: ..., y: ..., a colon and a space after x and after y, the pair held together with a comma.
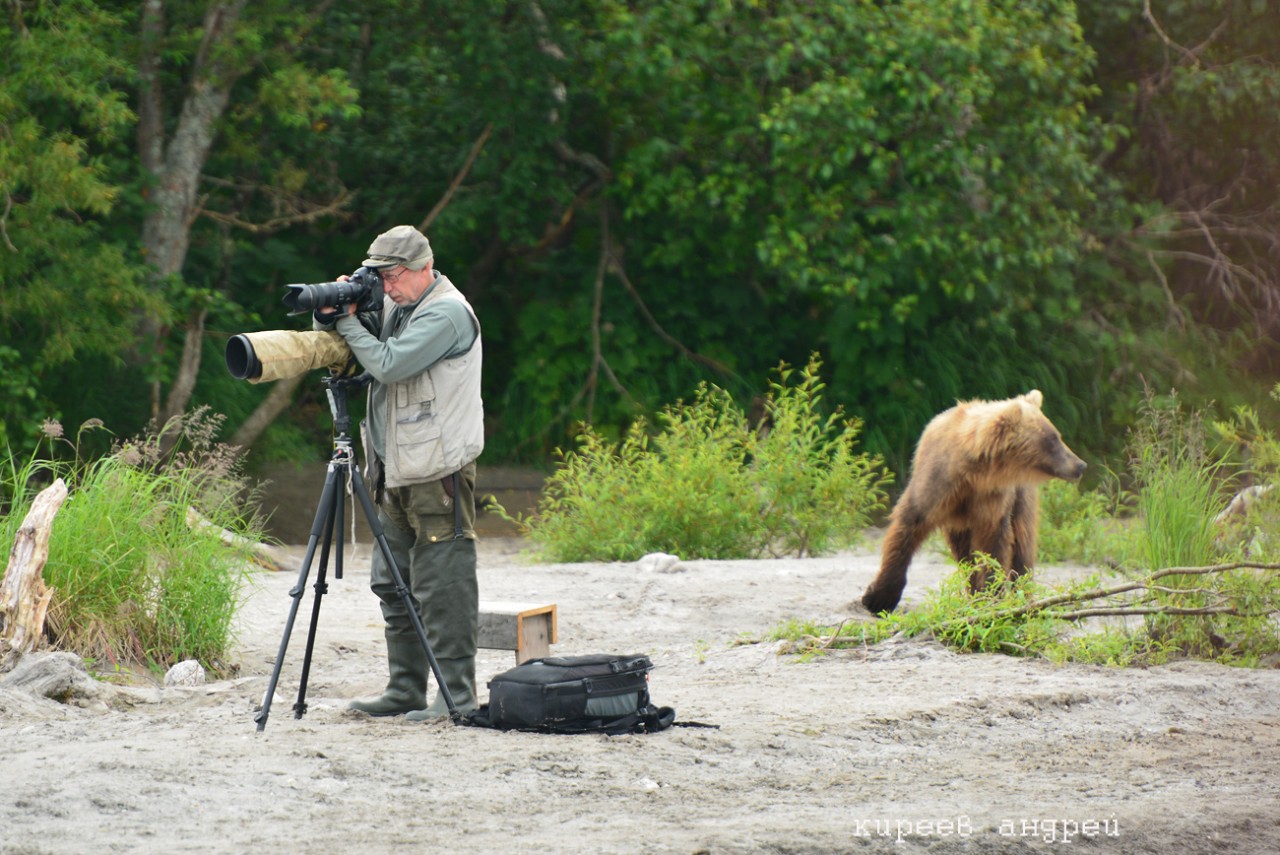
x: 911, y: 180
x: 229, y: 46
x: 642, y: 196
x: 1195, y: 86
x: 68, y: 291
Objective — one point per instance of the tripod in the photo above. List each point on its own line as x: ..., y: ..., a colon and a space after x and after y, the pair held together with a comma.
x: 328, y: 520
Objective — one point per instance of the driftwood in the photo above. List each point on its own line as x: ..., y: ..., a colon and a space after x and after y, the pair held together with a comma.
x: 264, y: 554
x: 57, y: 675
x: 24, y: 598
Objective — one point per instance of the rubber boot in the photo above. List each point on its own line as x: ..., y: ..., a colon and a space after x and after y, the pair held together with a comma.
x: 460, y: 676
x: 407, y: 687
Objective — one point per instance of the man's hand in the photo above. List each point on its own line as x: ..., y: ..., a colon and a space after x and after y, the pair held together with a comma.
x: 329, y: 314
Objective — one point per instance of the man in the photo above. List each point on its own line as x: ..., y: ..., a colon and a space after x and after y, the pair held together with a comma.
x: 422, y: 433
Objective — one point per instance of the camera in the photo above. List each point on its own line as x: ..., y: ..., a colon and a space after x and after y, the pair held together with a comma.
x: 363, y: 288
x: 277, y: 354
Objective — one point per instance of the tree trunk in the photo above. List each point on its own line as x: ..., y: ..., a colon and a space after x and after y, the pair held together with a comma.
x: 276, y: 402
x: 24, y: 598
x: 176, y: 167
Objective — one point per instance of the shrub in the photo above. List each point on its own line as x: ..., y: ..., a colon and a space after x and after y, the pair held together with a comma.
x: 1079, y: 525
x: 818, y: 491
x: 1249, y: 528
x: 708, y: 486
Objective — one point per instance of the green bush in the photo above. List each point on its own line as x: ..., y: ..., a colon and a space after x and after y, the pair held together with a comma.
x: 1168, y: 516
x: 1079, y: 525
x: 140, y: 572
x: 709, y: 486
x: 819, y: 492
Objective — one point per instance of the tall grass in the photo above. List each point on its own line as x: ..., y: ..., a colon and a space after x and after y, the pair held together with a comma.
x: 1180, y: 483
x: 135, y: 583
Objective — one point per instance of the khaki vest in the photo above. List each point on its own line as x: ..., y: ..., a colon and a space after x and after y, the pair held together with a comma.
x: 434, y: 420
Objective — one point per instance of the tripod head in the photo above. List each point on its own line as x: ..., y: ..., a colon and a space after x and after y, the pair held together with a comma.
x: 337, y: 386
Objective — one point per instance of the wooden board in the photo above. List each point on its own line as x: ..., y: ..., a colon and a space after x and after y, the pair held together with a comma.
x: 527, y: 628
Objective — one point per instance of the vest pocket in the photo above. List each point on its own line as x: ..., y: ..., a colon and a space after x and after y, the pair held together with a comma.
x: 415, y: 391
x: 418, y: 446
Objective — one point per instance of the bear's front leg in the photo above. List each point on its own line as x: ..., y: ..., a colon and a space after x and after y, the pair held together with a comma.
x: 907, y: 530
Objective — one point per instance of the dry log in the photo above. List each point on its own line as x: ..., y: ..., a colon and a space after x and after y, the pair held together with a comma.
x: 264, y: 554
x: 57, y: 675
x: 24, y: 598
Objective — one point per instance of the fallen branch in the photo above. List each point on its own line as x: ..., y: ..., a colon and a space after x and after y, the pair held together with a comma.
x: 1125, y: 611
x: 264, y: 554
x: 1073, y: 597
x: 1071, y: 605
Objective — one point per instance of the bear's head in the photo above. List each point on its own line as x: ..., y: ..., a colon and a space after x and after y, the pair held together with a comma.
x: 1016, y: 437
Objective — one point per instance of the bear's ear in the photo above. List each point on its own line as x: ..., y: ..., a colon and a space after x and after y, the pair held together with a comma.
x: 1035, y: 398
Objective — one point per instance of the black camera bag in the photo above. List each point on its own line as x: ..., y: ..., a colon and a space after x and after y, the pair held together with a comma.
x: 598, y: 693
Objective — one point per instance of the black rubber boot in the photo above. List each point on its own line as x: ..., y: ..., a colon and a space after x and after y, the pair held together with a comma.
x: 407, y: 686
x: 460, y: 677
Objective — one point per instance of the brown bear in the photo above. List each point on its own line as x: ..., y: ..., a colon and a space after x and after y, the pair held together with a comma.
x: 976, y: 475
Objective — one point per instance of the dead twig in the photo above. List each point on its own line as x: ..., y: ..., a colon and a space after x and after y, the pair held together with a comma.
x: 457, y: 179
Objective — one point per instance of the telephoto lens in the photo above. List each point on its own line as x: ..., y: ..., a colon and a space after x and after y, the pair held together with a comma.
x: 276, y: 354
x: 308, y: 298
x: 364, y: 288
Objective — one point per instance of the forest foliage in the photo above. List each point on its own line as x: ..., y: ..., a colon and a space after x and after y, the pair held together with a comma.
x: 942, y: 199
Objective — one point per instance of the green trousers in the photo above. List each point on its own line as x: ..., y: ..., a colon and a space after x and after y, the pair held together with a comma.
x: 422, y: 525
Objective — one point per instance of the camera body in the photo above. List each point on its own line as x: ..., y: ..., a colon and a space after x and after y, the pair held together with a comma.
x: 363, y: 288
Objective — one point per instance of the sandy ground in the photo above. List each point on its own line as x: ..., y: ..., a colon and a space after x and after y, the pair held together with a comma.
x: 905, y: 747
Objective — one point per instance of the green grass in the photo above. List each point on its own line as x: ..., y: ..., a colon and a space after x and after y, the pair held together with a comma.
x: 1095, y: 621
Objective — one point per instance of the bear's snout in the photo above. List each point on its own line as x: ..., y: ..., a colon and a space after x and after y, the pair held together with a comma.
x: 1072, y: 468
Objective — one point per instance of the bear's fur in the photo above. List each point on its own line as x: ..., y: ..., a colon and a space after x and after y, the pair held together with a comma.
x: 976, y: 475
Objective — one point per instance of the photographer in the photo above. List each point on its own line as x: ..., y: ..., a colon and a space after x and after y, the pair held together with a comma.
x: 422, y: 433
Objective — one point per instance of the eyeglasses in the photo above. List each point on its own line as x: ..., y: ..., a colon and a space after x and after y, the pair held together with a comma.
x: 393, y: 278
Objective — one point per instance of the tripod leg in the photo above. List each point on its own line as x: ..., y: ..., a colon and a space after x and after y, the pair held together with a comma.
x: 332, y: 523
x: 322, y: 511
x: 402, y: 589
x: 338, y: 522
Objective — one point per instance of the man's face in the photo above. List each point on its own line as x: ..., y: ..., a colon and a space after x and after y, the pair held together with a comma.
x: 405, y: 286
